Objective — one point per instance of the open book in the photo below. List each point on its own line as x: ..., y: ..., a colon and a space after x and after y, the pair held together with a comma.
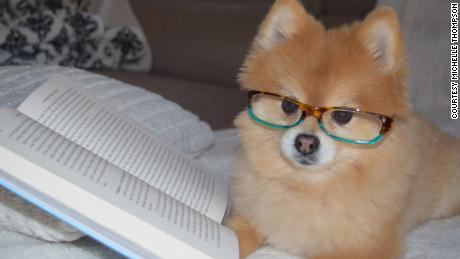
x: 107, y: 176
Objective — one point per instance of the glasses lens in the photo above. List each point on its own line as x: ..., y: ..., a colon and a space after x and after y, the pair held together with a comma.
x: 351, y: 125
x: 275, y: 110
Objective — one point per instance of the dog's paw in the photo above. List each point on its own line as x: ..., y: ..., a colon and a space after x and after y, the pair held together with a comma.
x: 248, y: 239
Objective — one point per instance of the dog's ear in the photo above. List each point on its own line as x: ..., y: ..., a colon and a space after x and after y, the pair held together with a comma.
x: 285, y: 18
x: 381, y: 36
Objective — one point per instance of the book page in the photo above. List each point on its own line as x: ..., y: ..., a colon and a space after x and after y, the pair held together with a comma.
x: 61, y: 106
x: 78, y: 178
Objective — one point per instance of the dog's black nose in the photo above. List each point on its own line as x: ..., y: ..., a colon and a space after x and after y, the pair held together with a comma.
x: 306, y: 144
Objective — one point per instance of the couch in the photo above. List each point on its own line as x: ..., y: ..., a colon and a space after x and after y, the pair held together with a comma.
x: 198, y: 46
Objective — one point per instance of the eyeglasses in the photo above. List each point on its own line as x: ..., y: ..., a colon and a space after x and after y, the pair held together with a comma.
x: 340, y: 123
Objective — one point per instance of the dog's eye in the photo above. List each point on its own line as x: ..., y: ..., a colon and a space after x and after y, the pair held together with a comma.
x: 342, y: 117
x: 289, y: 107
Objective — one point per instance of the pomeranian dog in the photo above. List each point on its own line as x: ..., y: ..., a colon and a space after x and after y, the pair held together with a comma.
x: 333, y: 162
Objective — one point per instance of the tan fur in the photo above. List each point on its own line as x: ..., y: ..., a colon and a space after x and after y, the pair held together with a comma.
x: 244, y: 231
x: 362, y: 203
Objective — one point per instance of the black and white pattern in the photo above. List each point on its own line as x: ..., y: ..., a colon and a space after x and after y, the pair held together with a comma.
x: 62, y: 32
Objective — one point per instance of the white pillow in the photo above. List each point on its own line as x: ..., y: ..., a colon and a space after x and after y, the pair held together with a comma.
x: 164, y: 118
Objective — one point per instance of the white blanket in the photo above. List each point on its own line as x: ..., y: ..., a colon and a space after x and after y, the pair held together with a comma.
x: 14, y: 245
x: 433, y: 240
x: 438, y: 239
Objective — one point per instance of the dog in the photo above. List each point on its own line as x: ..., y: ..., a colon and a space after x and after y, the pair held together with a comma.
x: 333, y: 163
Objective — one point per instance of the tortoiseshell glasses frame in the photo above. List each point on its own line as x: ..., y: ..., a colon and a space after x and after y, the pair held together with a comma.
x: 317, y: 112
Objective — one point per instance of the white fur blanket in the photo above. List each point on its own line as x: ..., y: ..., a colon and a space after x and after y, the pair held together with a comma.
x: 433, y: 240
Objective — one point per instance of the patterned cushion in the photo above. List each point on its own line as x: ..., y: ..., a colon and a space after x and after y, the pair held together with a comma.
x: 61, y: 32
